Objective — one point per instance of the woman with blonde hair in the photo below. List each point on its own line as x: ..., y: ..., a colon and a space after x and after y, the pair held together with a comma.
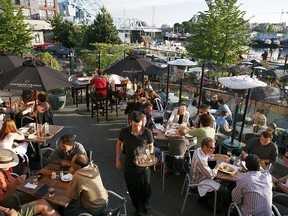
x: 8, y: 134
x: 155, y: 99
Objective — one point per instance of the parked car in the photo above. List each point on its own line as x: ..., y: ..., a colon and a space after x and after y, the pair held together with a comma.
x: 43, y: 46
x: 58, y: 50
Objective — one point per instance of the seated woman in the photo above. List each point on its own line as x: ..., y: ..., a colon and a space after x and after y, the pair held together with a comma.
x: 180, y: 115
x: 140, y: 91
x: 8, y: 134
x: 43, y: 109
x: 223, y: 124
x: 155, y: 100
x: 28, y: 97
x: 260, y: 119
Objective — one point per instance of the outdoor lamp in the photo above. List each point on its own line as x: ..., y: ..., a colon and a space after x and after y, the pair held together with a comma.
x: 181, y: 68
x: 240, y: 85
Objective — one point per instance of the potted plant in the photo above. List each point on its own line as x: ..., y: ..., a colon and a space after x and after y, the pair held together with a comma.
x: 57, y: 98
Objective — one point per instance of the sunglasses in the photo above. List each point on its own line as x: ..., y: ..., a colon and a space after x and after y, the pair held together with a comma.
x: 211, y: 147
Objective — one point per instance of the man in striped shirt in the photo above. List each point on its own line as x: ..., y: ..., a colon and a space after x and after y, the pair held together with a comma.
x: 253, y: 192
x: 201, y: 170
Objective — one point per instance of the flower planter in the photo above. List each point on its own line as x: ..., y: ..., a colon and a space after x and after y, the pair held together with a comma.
x: 57, y: 100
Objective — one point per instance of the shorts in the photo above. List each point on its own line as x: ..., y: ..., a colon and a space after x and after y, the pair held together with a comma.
x: 27, y: 209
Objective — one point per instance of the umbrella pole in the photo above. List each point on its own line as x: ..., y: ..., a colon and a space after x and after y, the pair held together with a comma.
x: 201, y: 86
x: 180, y: 92
x: 167, y: 87
x: 10, y: 100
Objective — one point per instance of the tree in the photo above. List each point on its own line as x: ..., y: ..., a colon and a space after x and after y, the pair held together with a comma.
x: 102, y: 30
x: 220, y: 34
x: 49, y: 60
x: 15, y: 35
x: 65, y: 32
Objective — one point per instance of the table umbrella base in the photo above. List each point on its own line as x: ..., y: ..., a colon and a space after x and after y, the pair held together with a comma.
x: 231, y: 145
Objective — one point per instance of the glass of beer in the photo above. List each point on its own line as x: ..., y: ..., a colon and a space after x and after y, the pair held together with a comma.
x: 51, y: 191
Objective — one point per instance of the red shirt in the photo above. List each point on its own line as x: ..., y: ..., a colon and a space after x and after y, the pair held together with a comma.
x: 100, y: 82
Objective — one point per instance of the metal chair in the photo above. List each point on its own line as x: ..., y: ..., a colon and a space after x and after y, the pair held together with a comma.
x: 189, y: 185
x: 42, y: 154
x: 233, y: 206
x: 120, y: 210
x: 282, y: 205
x: 178, y: 161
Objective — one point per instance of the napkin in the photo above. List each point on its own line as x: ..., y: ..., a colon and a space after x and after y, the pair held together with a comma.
x: 159, y: 126
x: 29, y: 185
x: 205, y: 186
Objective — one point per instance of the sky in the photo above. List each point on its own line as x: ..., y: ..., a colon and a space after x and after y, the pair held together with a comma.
x: 172, y: 11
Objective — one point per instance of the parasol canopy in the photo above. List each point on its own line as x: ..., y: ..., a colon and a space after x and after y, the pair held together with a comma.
x: 132, y: 64
x: 8, y: 61
x: 33, y: 75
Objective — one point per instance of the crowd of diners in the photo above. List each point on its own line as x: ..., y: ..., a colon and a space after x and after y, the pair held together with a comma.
x: 252, y: 191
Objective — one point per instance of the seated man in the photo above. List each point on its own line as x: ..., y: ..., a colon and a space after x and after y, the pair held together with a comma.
x: 8, y: 185
x: 253, y: 192
x: 177, y: 147
x: 224, y: 107
x: 202, y: 172
x: 263, y: 147
x: 66, y: 149
x: 180, y: 115
x: 203, y: 109
x: 86, y: 188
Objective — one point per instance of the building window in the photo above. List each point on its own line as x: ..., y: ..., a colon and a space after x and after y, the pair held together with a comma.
x: 37, y: 38
x: 50, y: 3
x: 25, y: 2
x: 43, y: 14
x: 27, y: 13
x: 51, y: 13
x: 42, y: 3
x: 16, y: 2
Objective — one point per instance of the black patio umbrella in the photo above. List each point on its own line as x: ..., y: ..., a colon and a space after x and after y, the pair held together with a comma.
x: 8, y: 61
x: 33, y: 75
x: 284, y: 79
x: 132, y: 65
x: 268, y: 93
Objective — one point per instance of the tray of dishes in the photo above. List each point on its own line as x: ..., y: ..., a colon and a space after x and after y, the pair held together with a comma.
x: 171, y: 132
x: 146, y: 160
x: 229, y: 168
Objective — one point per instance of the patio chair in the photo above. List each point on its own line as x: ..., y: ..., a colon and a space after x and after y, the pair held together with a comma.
x: 189, y: 185
x: 280, y: 200
x: 120, y: 94
x: 114, y: 200
x: 234, y: 207
x: 99, y: 101
x: 42, y: 154
x: 179, y: 163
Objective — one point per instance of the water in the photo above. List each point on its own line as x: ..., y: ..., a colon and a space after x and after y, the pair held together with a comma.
x: 275, y: 51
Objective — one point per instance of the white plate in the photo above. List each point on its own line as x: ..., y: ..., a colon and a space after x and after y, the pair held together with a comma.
x: 23, y: 129
x: 32, y: 136
x: 229, y: 168
x: 171, y: 132
x: 66, y: 178
x: 33, y: 124
x: 188, y: 136
x: 82, y: 79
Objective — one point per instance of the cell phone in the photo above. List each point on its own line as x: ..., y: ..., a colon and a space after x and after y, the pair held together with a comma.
x: 42, y: 190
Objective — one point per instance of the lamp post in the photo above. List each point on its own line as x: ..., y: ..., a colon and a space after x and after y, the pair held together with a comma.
x: 181, y: 65
x: 240, y: 85
x: 71, y: 56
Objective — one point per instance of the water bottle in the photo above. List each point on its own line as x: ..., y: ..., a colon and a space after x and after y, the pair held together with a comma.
x: 46, y: 128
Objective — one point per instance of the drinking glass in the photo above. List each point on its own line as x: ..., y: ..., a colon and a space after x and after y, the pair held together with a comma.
x: 51, y: 191
x: 35, y: 180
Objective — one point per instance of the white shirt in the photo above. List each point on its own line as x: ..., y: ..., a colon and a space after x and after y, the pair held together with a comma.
x: 8, y: 141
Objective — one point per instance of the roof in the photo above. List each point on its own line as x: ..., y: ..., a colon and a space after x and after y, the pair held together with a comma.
x: 146, y: 39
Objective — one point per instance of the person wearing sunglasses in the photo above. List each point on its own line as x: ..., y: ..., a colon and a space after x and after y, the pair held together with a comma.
x: 201, y: 172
